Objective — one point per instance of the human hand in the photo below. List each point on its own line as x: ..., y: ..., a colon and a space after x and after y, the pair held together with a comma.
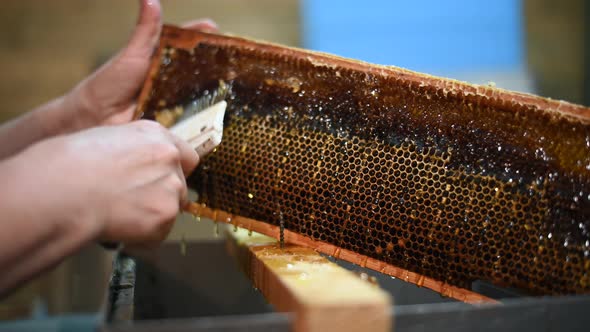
x: 127, y: 182
x: 108, y: 96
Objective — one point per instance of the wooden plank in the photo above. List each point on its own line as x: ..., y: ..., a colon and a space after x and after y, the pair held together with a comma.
x: 322, y: 295
x: 442, y: 288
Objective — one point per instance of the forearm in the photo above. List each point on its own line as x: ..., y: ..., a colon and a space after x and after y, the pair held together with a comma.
x: 53, y: 118
x: 36, y: 230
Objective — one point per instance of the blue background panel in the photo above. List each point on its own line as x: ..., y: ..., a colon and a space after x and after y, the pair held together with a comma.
x: 430, y: 36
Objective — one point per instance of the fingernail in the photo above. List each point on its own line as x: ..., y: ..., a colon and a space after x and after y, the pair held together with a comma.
x: 211, y: 22
x: 145, y: 4
x: 152, y: 2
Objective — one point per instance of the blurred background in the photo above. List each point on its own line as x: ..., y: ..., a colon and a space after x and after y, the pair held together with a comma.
x: 536, y: 46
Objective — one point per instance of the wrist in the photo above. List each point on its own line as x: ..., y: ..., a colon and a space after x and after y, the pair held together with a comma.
x: 78, y: 114
x: 56, y: 117
x: 66, y: 114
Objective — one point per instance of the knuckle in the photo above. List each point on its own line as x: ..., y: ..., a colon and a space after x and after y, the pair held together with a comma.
x: 194, y: 163
x: 148, y: 125
x: 159, y: 223
x: 155, y: 229
x: 154, y: 129
x: 169, y: 209
x: 165, y: 152
x: 178, y: 184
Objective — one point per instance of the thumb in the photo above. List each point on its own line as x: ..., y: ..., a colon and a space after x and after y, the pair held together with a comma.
x: 147, y: 30
x: 202, y: 24
x: 114, y: 85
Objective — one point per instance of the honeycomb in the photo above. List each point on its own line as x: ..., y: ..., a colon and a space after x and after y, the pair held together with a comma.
x: 451, y: 181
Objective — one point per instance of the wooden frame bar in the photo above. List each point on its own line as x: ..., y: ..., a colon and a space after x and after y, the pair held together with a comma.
x: 444, y: 289
x: 322, y: 295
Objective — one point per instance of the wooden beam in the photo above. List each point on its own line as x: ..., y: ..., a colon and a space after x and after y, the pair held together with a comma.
x: 461, y: 294
x: 322, y: 295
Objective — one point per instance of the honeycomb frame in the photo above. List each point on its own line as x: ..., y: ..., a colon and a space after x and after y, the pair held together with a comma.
x: 447, y: 180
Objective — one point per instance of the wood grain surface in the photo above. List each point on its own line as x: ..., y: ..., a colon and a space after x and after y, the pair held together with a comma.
x: 321, y: 295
